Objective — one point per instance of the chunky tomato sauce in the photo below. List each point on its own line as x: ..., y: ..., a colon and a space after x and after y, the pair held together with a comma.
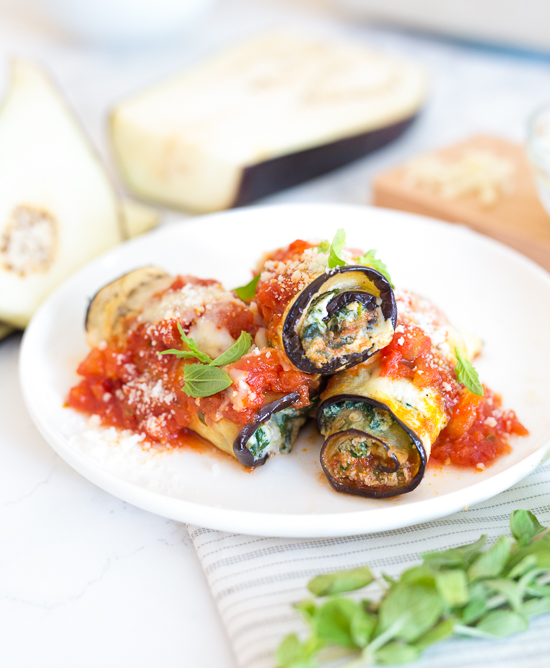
x: 273, y: 296
x: 478, y: 428
x: 133, y: 387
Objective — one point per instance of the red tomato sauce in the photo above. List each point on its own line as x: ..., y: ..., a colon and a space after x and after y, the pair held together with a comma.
x: 478, y: 427
x: 274, y: 295
x: 136, y: 388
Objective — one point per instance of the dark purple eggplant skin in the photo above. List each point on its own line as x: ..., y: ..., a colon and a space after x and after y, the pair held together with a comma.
x: 291, y: 340
x: 242, y: 453
x: 369, y: 492
x: 270, y: 176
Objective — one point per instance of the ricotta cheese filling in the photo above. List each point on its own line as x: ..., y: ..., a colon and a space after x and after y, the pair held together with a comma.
x: 278, y: 434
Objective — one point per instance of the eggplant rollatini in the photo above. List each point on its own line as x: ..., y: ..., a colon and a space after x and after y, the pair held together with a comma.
x: 324, y: 319
x: 381, y: 418
x: 148, y: 330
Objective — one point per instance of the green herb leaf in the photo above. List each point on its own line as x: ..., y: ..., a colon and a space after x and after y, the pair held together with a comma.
x: 336, y: 248
x: 525, y: 526
x: 452, y: 585
x: 396, y: 653
x: 324, y: 246
x: 362, y: 627
x: 423, y: 574
x: 474, y: 611
x: 467, y: 375
x: 237, y: 350
x: 333, y: 621
x: 490, y: 564
x: 443, y: 630
x: 294, y: 654
x: 536, y: 606
x: 336, y: 583
x: 248, y: 291
x: 502, y: 623
x: 369, y: 260
x: 417, y: 605
x: 512, y: 591
x: 193, y: 351
x: 456, y: 556
x: 203, y: 381
x: 306, y: 609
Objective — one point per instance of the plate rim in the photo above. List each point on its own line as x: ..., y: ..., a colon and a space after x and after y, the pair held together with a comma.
x: 299, y: 525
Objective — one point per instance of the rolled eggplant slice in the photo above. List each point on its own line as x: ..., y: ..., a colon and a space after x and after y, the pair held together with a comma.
x: 368, y: 451
x: 342, y: 318
x: 273, y: 431
x: 120, y: 299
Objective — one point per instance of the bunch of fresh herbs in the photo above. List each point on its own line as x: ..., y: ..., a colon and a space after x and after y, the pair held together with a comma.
x: 467, y: 591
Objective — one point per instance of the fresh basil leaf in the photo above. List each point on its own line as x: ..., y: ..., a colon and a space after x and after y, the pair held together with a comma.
x: 502, y: 623
x: 467, y: 375
x: 341, y: 581
x: 419, y: 606
x: 324, y: 246
x: 248, y: 291
x: 456, y: 556
x: 474, y: 611
x: 452, y: 585
x: 182, y: 354
x: 536, y: 606
x: 395, y: 653
x: 291, y: 653
x: 203, y: 381
x: 362, y: 627
x: 440, y: 632
x: 336, y: 248
x: 333, y: 621
x: 490, y: 564
x: 235, y: 352
x: 369, y: 260
x: 525, y: 526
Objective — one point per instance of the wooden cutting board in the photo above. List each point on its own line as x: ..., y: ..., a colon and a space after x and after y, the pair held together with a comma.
x: 517, y: 218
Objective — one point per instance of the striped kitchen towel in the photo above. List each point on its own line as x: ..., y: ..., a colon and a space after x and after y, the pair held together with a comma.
x: 255, y: 580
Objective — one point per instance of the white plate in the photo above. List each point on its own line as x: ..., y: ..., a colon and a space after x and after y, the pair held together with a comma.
x: 481, y: 285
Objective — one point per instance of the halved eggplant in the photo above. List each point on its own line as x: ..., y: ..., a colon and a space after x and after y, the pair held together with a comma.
x: 120, y: 299
x: 58, y: 208
x: 266, y: 114
x: 342, y: 318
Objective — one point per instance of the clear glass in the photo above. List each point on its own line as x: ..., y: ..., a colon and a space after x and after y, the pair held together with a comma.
x: 538, y: 150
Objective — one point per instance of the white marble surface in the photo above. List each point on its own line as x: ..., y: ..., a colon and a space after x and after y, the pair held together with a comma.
x: 85, y: 579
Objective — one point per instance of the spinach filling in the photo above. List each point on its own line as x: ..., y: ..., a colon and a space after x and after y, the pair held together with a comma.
x: 278, y: 434
x: 368, y: 445
x: 322, y: 332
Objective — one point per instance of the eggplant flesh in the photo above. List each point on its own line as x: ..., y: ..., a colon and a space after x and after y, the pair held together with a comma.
x: 339, y: 320
x: 120, y: 299
x: 368, y: 451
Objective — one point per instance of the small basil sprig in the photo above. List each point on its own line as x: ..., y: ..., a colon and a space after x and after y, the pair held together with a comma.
x: 468, y: 591
x: 206, y: 379
x: 369, y: 260
x: 248, y: 291
x: 335, y: 250
x: 467, y: 375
